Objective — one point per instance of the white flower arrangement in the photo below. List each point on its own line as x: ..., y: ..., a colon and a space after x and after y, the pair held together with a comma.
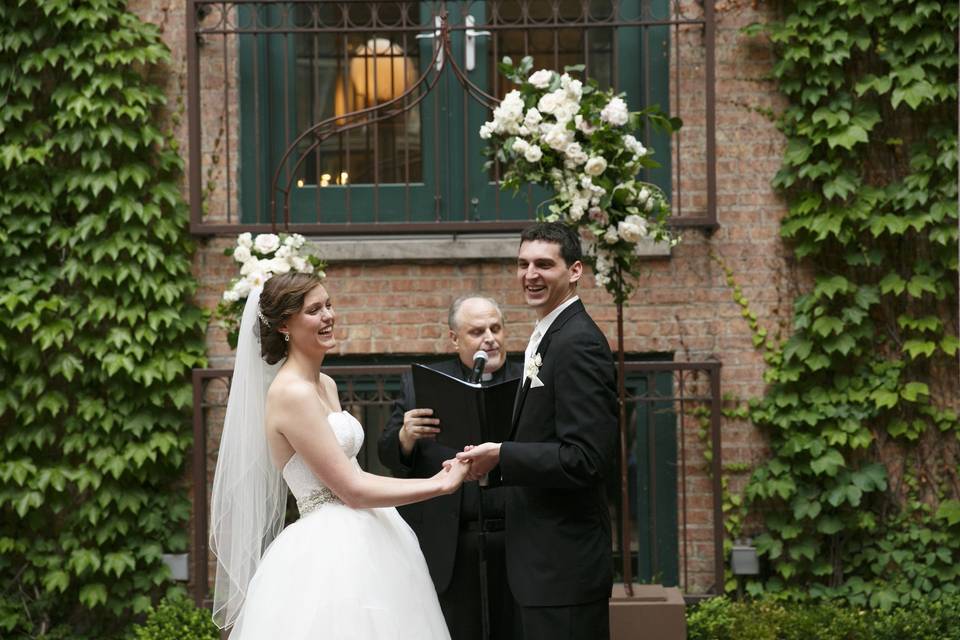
x: 261, y: 258
x: 559, y: 132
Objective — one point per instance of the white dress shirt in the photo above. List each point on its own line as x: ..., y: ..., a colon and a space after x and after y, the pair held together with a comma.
x: 541, y: 328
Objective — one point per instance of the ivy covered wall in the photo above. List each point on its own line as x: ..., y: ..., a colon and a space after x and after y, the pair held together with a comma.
x: 859, y: 498
x: 98, y: 332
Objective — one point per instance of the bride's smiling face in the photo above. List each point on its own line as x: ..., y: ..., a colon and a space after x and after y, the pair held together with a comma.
x: 311, y: 328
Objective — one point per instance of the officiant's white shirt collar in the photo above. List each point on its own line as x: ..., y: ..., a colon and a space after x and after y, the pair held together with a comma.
x: 548, y: 319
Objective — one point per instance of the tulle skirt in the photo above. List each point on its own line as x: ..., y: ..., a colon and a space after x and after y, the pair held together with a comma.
x: 342, y: 574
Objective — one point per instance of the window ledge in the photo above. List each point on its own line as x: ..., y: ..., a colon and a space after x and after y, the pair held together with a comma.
x: 493, y: 246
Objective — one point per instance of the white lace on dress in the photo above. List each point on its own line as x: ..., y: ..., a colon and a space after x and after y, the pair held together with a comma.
x: 311, y: 494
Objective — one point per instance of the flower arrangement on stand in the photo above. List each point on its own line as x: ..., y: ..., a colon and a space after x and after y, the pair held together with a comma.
x: 557, y: 131
x: 260, y: 258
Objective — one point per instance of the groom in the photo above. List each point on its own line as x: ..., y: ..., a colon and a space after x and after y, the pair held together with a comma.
x: 564, y: 434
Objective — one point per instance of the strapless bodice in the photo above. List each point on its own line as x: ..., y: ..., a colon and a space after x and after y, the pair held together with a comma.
x: 306, y: 487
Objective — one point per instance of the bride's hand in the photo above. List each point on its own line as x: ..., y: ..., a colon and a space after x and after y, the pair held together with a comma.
x: 452, y: 475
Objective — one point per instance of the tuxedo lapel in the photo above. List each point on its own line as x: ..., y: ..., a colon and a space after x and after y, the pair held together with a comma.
x: 567, y: 313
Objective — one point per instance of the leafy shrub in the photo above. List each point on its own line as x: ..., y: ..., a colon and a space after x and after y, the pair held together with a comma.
x: 778, y: 619
x: 176, y: 618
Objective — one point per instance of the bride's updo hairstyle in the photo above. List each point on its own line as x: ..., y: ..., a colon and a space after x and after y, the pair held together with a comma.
x: 282, y: 297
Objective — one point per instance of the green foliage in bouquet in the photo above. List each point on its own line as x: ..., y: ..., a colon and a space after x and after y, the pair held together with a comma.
x: 98, y: 332
x: 559, y: 132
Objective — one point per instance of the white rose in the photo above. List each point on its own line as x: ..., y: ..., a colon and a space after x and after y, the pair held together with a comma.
x: 266, y: 243
x: 559, y: 138
x: 567, y: 111
x: 278, y: 265
x: 245, y: 240
x: 241, y: 254
x: 643, y: 195
x: 519, y: 146
x: 649, y: 206
x: 532, y: 118
x: 582, y: 124
x: 294, y: 241
x: 629, y: 231
x: 633, y: 145
x: 615, y: 112
x: 252, y: 265
x: 486, y: 130
x: 541, y: 79
x: 231, y: 296
x: 284, y: 252
x: 533, y: 153
x: 242, y: 287
x: 256, y: 279
x: 595, y: 166
x: 549, y: 102
x: 575, y: 153
x: 299, y: 264
x: 574, y: 89
x: 510, y: 111
x: 611, y: 235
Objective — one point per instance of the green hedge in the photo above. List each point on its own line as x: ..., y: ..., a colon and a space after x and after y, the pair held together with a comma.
x: 769, y: 619
x: 176, y: 618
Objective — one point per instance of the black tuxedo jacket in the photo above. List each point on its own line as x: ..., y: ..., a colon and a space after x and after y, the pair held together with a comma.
x: 558, y: 541
x: 436, y: 521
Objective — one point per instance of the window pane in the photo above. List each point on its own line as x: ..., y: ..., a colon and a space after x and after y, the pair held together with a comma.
x: 341, y: 73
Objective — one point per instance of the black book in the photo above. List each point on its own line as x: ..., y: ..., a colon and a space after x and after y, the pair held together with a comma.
x: 468, y: 412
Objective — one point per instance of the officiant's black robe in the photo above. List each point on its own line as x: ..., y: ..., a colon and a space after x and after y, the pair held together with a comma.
x: 446, y: 525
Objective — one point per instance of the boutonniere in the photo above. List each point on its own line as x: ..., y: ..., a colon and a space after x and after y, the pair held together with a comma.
x: 531, y: 370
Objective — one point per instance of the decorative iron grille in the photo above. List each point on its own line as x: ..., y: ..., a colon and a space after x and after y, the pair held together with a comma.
x: 674, y: 485
x: 362, y: 117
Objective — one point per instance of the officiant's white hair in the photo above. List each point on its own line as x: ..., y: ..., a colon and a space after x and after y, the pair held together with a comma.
x: 453, y: 315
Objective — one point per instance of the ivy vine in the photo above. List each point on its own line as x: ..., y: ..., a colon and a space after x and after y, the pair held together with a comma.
x: 98, y: 332
x: 860, y: 498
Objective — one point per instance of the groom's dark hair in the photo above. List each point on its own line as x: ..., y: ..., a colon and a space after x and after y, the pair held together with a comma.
x: 556, y: 233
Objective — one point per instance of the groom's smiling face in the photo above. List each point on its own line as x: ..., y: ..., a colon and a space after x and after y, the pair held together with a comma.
x: 546, y: 279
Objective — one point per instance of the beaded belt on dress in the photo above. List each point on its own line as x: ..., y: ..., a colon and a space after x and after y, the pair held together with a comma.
x: 317, y: 499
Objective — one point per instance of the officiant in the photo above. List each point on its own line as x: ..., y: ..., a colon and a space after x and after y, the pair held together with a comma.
x: 456, y: 531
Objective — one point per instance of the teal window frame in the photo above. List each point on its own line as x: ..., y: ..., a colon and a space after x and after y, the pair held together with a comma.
x: 464, y: 192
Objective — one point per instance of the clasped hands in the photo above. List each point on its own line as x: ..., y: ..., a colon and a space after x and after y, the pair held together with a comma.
x: 481, y: 459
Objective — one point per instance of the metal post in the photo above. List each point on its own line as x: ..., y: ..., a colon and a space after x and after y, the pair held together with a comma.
x: 193, y: 117
x: 710, y: 39
x: 624, y: 480
x: 199, y: 480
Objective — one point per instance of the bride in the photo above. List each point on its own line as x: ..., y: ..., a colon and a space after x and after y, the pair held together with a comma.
x: 350, y: 567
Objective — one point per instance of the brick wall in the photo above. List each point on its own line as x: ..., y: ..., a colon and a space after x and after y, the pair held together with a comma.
x: 683, y: 306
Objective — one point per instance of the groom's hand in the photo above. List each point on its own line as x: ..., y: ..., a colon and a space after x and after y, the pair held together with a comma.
x: 483, y: 458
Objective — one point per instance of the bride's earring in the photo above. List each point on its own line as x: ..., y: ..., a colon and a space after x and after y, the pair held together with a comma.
x: 286, y: 337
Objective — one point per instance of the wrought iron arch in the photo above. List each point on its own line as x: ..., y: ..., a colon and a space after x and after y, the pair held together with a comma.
x: 443, y: 56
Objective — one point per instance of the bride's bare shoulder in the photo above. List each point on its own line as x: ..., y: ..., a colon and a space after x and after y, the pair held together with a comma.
x: 290, y: 390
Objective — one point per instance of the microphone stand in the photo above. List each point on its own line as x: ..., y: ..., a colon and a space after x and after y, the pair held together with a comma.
x: 482, y: 544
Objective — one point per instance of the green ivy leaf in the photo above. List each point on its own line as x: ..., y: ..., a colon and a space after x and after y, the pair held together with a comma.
x: 916, y: 348
x: 912, y: 390
x: 92, y: 595
x: 56, y: 580
x: 828, y: 464
x: 949, y: 511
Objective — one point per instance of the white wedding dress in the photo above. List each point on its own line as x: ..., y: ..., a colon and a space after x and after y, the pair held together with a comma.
x: 340, y: 573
